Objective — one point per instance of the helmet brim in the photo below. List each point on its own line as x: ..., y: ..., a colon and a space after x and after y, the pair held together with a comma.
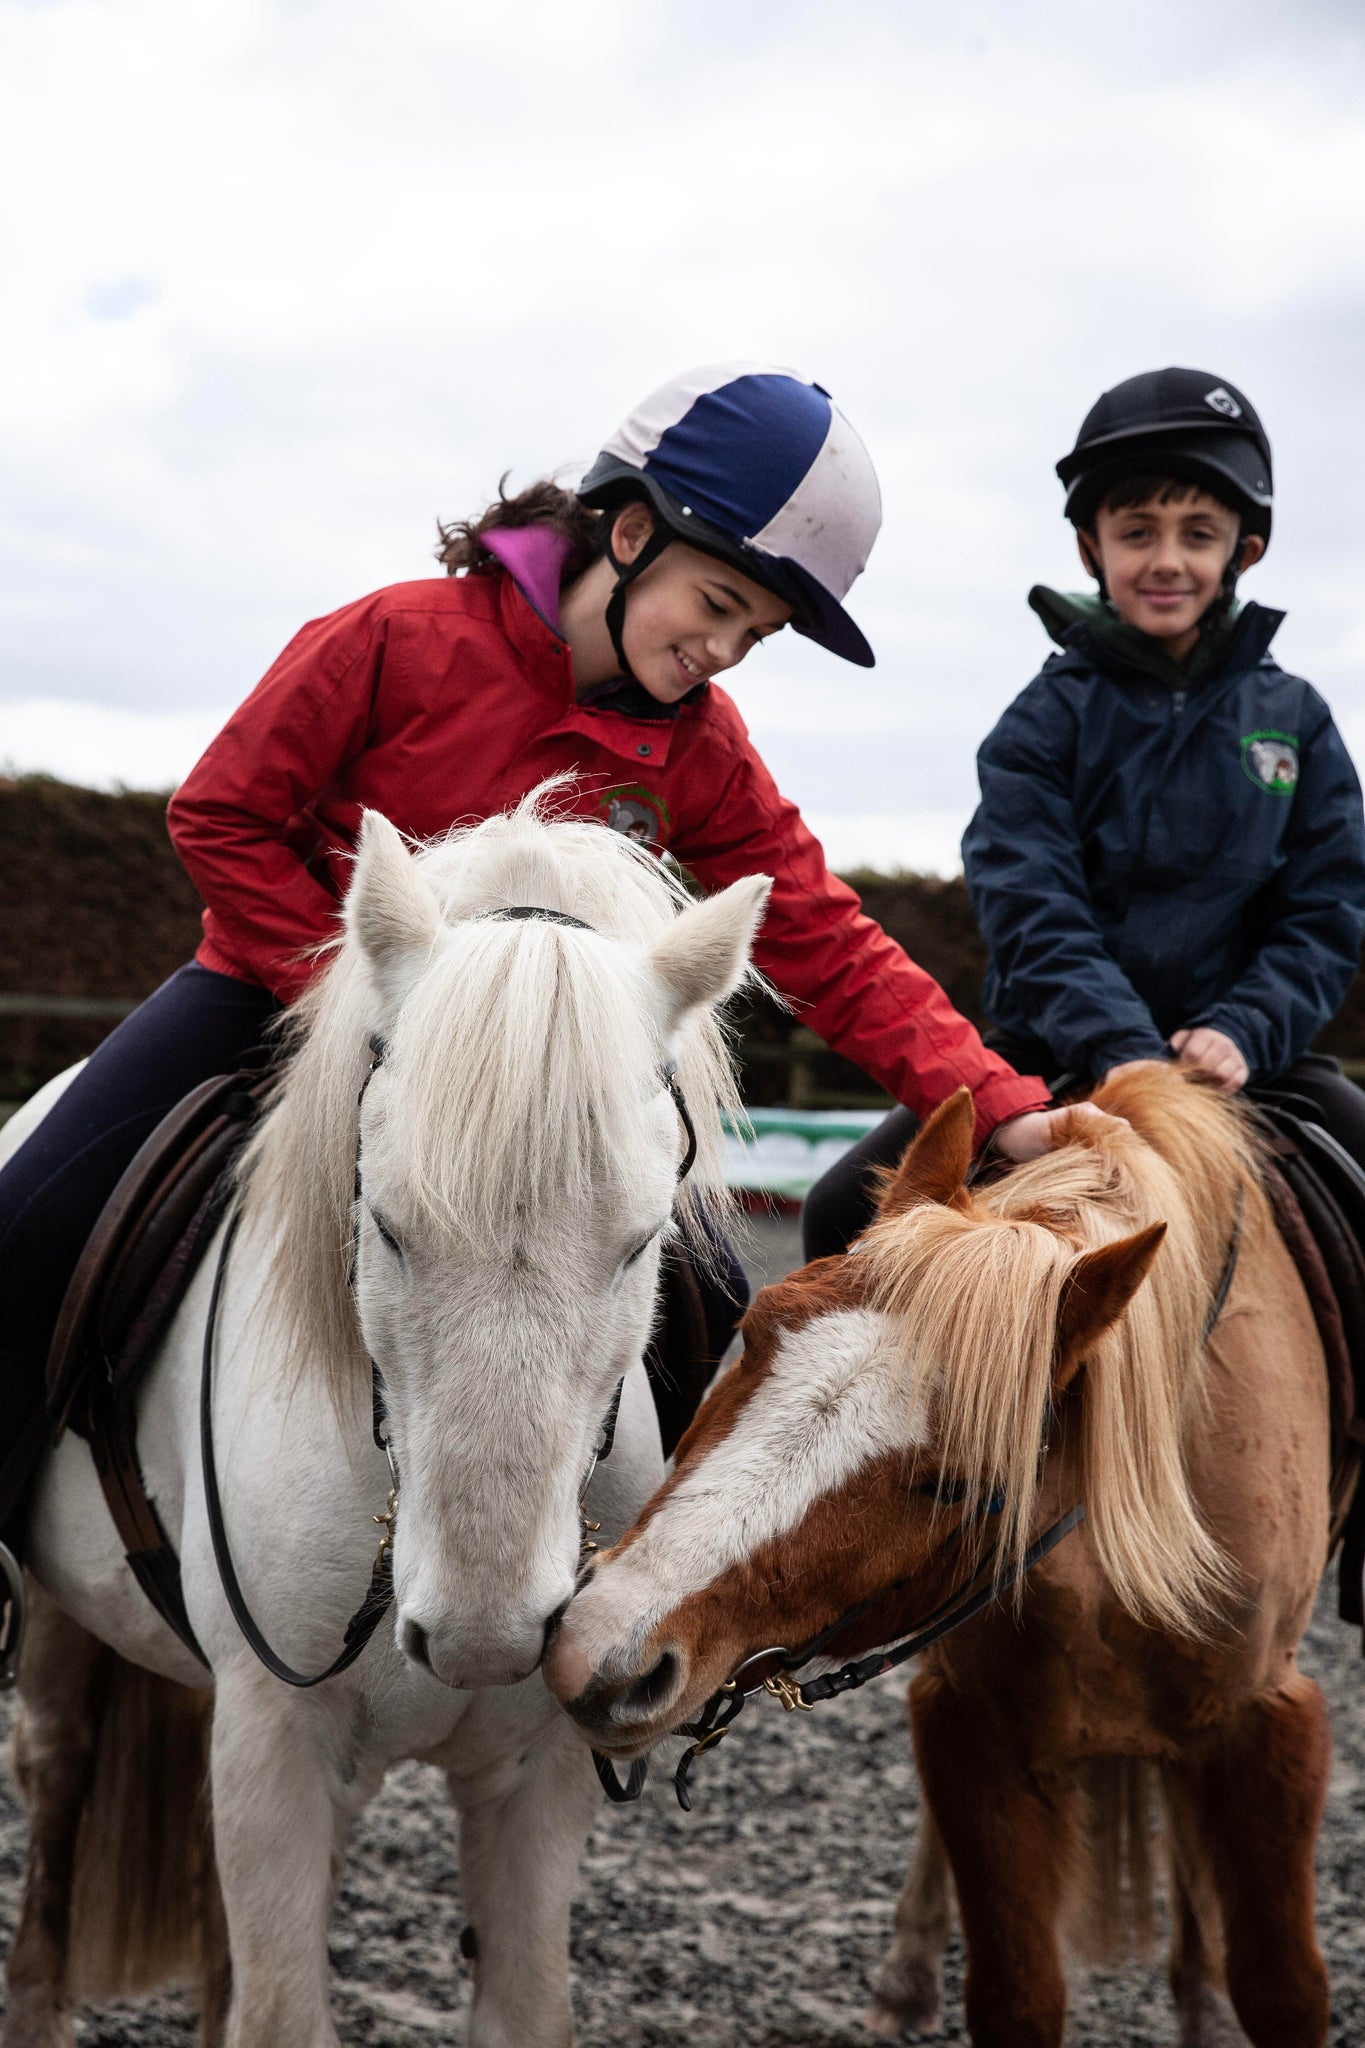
x: 1228, y: 462
x: 816, y: 614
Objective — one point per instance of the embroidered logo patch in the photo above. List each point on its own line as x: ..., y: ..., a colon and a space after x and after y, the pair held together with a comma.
x: 1271, y: 761
x: 636, y: 811
x: 1224, y: 402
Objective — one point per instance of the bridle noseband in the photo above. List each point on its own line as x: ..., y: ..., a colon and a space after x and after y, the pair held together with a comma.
x: 379, y: 1593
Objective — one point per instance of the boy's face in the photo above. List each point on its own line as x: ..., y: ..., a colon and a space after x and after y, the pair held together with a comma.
x: 1163, y: 562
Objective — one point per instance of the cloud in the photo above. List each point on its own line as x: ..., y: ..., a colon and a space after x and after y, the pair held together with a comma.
x: 285, y: 282
x: 104, y: 746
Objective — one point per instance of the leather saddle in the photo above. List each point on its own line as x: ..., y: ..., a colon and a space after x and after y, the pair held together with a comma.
x: 1317, y: 1193
x: 129, y: 1281
x: 133, y: 1275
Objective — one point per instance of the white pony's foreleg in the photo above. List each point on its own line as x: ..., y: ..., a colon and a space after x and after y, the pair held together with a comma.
x: 280, y: 1808
x: 523, y: 1827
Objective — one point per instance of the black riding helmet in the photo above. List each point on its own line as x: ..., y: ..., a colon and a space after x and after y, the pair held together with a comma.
x: 1173, y: 422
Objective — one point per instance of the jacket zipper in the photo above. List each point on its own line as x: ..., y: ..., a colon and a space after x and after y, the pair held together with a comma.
x: 1178, y: 702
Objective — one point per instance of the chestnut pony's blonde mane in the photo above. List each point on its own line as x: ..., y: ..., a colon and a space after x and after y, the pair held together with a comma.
x: 974, y: 1293
x: 516, y: 1063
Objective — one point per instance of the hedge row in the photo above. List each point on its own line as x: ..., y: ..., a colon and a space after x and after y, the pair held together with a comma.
x: 93, y: 903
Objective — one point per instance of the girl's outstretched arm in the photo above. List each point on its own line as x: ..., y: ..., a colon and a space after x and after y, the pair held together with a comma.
x: 851, y: 982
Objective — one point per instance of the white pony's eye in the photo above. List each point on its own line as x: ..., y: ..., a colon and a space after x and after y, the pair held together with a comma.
x: 631, y: 1257
x: 390, y: 1240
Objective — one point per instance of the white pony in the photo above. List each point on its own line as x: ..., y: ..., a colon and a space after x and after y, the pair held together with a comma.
x: 520, y: 1150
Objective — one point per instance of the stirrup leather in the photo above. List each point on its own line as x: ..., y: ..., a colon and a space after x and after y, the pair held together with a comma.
x: 13, y: 1609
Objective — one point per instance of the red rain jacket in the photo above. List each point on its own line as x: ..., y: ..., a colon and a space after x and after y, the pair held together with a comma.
x: 450, y: 699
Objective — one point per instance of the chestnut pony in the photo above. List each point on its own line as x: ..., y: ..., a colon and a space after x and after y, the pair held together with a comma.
x: 983, y: 1359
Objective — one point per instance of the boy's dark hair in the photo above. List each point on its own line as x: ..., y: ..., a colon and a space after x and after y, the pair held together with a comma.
x: 1131, y: 491
x: 542, y: 504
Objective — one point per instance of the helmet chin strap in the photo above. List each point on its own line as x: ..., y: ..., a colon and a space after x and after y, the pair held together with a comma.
x: 626, y: 572
x: 1233, y: 569
x: 1092, y: 564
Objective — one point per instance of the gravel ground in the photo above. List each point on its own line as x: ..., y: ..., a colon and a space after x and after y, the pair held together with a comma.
x: 761, y: 1917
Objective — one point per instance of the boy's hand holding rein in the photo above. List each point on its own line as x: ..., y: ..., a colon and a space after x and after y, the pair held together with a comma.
x: 1216, y: 1055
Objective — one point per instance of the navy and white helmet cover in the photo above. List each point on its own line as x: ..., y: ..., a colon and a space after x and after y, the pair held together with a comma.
x: 772, y: 473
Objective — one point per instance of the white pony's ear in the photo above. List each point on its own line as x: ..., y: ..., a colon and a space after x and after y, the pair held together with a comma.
x: 701, y: 958
x: 391, y: 910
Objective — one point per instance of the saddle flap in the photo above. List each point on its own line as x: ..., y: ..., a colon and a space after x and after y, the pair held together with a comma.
x: 141, y: 1254
x: 1303, y: 1234
x: 1318, y: 1194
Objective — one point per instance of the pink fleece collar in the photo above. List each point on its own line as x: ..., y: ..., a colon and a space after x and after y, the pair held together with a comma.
x: 533, y: 557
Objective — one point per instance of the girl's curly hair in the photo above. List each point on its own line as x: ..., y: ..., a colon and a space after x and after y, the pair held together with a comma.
x: 541, y: 504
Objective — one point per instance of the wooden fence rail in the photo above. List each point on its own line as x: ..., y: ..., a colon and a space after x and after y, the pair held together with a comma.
x: 66, y: 1006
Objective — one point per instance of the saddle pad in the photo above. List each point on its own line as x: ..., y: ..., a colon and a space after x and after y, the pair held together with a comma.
x: 143, y: 1251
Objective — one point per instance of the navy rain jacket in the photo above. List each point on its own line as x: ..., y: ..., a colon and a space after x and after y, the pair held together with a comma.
x: 1146, y: 858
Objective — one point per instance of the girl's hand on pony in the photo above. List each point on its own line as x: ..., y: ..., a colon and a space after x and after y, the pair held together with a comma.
x: 1039, y: 1130
x: 1215, y: 1053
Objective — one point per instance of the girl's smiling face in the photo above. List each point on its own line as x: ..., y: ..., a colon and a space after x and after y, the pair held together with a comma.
x: 688, y: 615
x: 1163, y: 561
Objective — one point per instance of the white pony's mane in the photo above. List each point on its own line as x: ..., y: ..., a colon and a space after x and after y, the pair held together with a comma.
x: 515, y: 1061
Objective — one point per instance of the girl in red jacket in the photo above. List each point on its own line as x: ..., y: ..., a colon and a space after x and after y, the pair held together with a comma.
x: 582, y: 636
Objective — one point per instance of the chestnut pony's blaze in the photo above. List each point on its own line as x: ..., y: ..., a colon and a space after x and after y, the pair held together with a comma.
x: 967, y: 1334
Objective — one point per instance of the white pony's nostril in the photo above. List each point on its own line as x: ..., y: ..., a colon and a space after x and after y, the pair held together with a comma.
x: 552, y: 1622
x: 412, y: 1641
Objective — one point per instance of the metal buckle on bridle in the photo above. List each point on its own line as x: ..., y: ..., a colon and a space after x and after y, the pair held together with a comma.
x: 786, y: 1689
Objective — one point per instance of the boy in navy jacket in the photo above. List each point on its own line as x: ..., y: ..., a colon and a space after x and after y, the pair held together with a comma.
x: 1169, y: 853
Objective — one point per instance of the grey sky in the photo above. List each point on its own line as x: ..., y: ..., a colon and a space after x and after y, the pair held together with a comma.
x: 282, y: 282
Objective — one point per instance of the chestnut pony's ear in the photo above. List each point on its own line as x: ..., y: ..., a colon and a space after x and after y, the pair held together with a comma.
x: 935, y: 1163
x: 1098, y: 1289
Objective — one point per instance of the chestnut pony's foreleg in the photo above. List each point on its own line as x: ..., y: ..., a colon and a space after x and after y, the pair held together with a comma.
x: 1011, y: 1844
x: 1255, y: 1801
x: 1204, y: 2018
x: 908, y: 1989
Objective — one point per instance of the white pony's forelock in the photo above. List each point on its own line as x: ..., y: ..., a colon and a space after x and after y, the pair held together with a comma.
x: 516, y: 1058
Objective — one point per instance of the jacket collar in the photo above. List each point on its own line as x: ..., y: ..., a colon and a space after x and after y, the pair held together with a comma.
x: 1088, y: 627
x: 533, y: 558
